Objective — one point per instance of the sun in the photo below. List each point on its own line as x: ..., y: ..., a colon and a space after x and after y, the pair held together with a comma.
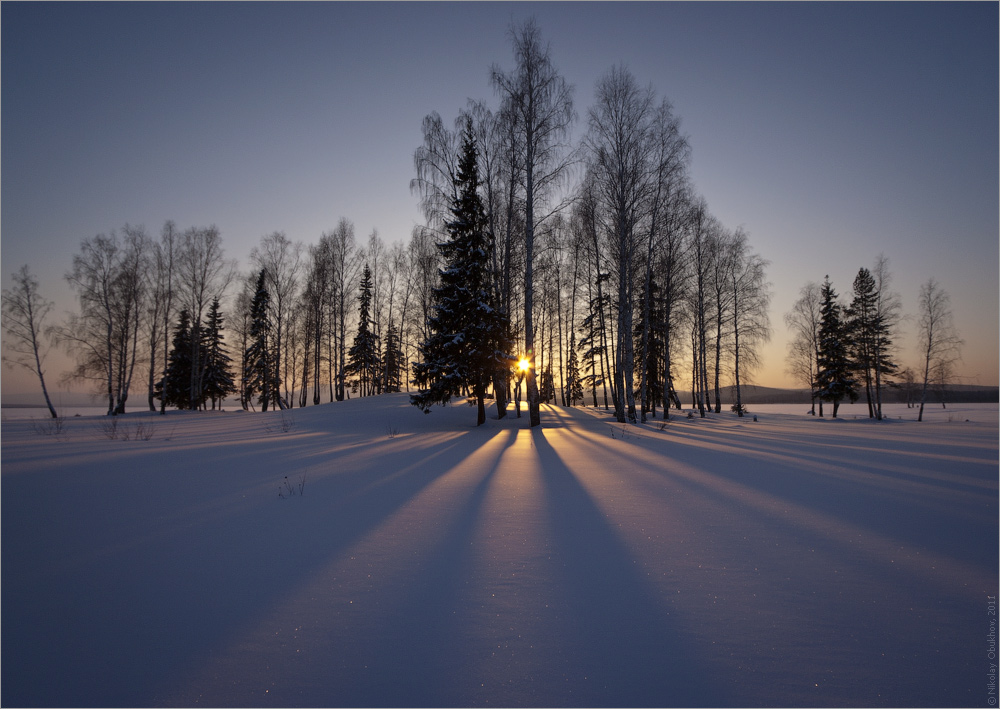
x: 523, y: 364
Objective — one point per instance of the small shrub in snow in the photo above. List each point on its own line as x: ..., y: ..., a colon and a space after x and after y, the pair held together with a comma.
x: 286, y: 489
x: 113, y: 428
x: 286, y: 424
x: 109, y: 427
x: 48, y: 427
x: 142, y: 431
x: 623, y: 432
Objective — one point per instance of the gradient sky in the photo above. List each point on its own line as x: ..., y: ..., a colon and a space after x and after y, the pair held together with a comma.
x: 831, y: 132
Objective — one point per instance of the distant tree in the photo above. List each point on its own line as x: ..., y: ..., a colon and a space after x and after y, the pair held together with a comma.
x: 162, y: 275
x: 24, y: 311
x: 261, y: 375
x: 574, y: 380
x: 240, y: 325
x: 281, y: 260
x: 218, y: 380
x: 547, y: 388
x: 319, y: 327
x: 462, y: 348
x: 803, y: 355
x: 835, y: 378
x: 108, y: 277
x: 344, y: 264
x: 202, y: 275
x: 861, y: 326
x: 871, y: 318
x: 940, y: 344
x: 364, y: 358
x: 393, y: 360
x: 750, y: 298
x: 887, y: 314
x: 174, y: 389
x: 908, y: 385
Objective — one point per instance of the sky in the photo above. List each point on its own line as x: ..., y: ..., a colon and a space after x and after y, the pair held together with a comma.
x: 831, y: 132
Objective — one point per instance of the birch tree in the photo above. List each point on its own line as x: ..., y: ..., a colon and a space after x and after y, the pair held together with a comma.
x: 24, y: 313
x: 543, y: 103
x: 803, y: 355
x: 203, y: 274
x: 617, y: 146
x: 888, y: 309
x: 280, y: 260
x: 940, y: 345
x: 751, y: 298
x: 162, y: 293
x: 107, y: 275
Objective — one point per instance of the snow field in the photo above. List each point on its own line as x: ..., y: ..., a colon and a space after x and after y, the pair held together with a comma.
x: 716, y: 562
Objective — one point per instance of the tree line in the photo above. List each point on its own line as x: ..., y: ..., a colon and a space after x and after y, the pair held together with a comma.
x: 547, y: 269
x: 840, y: 352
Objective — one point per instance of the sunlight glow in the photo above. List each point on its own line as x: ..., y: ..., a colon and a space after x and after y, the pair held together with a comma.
x: 523, y: 364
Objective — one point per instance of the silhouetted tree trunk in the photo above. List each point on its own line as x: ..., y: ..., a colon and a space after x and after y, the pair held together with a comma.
x: 939, y: 341
x: 24, y: 312
x: 544, y: 105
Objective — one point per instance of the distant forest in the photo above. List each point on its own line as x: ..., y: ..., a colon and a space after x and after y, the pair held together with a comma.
x: 598, y: 275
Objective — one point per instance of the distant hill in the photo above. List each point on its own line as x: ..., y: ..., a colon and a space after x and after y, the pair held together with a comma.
x: 956, y: 393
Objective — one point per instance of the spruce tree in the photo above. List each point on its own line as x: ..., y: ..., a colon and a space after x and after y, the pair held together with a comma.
x: 463, y: 348
x: 261, y: 372
x: 218, y: 379
x: 870, y: 334
x: 862, y: 328
x: 547, y: 387
x: 393, y: 360
x: 574, y: 381
x: 835, y: 378
x: 175, y: 387
x: 364, y: 359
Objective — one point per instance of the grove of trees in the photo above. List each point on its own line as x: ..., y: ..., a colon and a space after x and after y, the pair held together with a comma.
x: 594, y: 261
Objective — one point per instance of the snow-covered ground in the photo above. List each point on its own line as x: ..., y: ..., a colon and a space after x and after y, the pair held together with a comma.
x: 787, y: 561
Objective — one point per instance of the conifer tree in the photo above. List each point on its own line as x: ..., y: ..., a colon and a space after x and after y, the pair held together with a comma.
x: 218, y: 379
x: 861, y: 328
x: 574, y: 381
x: 364, y: 359
x: 261, y: 372
x: 393, y: 360
x: 547, y: 388
x: 835, y: 378
x: 463, y: 347
x: 175, y: 387
x: 871, y: 342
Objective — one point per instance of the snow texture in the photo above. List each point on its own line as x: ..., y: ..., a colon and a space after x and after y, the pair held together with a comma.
x: 427, y: 562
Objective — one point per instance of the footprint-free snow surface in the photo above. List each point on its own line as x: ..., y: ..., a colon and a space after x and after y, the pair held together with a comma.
x: 365, y: 554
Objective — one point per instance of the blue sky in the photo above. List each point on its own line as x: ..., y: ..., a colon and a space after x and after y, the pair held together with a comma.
x: 831, y: 132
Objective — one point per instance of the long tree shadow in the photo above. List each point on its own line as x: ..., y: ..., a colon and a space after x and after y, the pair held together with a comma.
x: 626, y: 646
x: 825, y: 598
x: 123, y: 627
x: 393, y: 642
x: 921, y: 505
